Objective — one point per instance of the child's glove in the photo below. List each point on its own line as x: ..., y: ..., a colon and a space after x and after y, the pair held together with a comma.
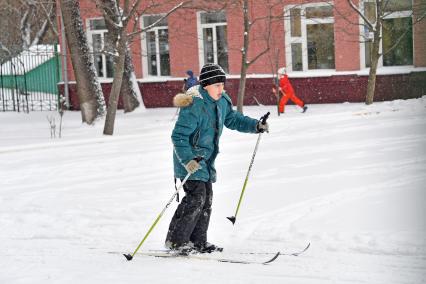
x: 192, y: 166
x: 262, y: 127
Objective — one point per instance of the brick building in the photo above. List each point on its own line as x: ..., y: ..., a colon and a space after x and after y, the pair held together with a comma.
x: 324, y: 47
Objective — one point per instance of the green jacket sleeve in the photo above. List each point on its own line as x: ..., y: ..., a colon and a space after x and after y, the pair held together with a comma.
x: 185, y: 127
x: 237, y: 121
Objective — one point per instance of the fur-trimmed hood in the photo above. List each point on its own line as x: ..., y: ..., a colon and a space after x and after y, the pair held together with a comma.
x: 182, y: 100
x: 186, y: 99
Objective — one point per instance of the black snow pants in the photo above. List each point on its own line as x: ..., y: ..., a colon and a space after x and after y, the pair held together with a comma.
x: 191, y: 219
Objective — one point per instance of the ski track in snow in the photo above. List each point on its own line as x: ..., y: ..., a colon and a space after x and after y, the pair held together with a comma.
x: 348, y: 178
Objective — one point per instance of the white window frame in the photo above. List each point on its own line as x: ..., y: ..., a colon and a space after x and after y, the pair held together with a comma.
x: 155, y: 29
x: 288, y: 39
x: 394, y: 15
x: 90, y: 33
x: 200, y: 28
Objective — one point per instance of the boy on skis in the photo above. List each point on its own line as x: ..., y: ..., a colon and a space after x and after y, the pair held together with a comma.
x: 205, y: 110
x: 287, y: 92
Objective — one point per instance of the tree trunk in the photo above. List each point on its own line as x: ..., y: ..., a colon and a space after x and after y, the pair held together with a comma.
x: 127, y: 93
x: 244, y: 64
x: 89, y: 91
x: 375, y: 55
x: 371, y: 86
x: 242, y: 88
x: 275, y: 80
x: 116, y: 85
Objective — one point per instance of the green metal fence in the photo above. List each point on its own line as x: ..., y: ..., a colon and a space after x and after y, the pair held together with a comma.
x: 28, y: 82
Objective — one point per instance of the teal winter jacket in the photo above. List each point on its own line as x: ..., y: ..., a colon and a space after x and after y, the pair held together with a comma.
x: 198, y: 129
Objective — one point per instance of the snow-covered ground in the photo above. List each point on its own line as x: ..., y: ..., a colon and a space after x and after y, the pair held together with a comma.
x: 348, y: 178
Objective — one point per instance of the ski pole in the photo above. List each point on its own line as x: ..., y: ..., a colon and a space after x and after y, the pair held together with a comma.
x: 233, y: 218
x: 130, y: 256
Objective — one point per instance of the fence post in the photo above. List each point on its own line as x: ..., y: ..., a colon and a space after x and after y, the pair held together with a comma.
x: 1, y: 83
x: 65, y: 63
x: 16, y: 85
x: 57, y: 75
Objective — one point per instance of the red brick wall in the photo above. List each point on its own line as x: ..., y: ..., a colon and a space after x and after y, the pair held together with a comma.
x: 183, y: 43
x: 258, y: 37
x: 235, y: 30
x: 136, y: 52
x: 346, y: 37
x: 333, y: 89
x: 419, y: 8
x: 183, y: 37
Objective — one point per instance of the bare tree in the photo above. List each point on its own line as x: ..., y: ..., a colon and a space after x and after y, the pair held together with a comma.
x: 245, y: 61
x: 26, y: 23
x: 130, y: 95
x: 375, y: 24
x: 257, y: 28
x: 89, y: 90
x: 274, y: 57
x: 123, y: 15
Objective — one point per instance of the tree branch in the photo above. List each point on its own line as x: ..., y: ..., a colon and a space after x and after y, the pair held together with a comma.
x: 267, y: 38
x: 49, y: 16
x: 361, y: 14
x: 132, y: 34
x: 131, y: 12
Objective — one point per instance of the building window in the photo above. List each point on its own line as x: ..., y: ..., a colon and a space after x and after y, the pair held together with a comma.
x: 156, y: 61
x: 397, y: 33
x: 309, y: 33
x: 213, y: 39
x: 393, y: 29
x: 104, y: 63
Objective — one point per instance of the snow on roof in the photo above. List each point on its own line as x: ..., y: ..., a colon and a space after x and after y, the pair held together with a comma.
x: 28, y: 60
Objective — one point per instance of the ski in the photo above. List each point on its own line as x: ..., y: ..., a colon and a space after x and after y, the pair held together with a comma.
x: 165, y: 253
x: 295, y: 253
x: 209, y: 257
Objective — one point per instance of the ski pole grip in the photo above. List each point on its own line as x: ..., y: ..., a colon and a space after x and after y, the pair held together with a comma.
x: 265, y: 117
x: 198, y: 159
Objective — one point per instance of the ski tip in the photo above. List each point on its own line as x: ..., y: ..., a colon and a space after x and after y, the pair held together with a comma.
x: 232, y: 219
x: 306, y: 248
x: 128, y: 256
x: 273, y: 258
x: 302, y: 251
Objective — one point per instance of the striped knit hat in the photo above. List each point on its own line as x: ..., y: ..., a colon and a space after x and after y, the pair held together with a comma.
x: 210, y: 74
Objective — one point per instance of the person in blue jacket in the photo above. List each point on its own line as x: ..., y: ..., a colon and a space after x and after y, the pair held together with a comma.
x: 204, y: 110
x: 190, y: 81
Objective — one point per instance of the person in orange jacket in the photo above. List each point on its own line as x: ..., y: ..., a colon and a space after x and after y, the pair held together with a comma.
x: 287, y: 91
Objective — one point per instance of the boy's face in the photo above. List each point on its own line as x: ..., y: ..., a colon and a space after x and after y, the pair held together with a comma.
x: 215, y: 90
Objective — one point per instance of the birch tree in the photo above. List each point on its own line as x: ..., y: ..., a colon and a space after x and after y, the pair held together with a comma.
x: 89, y: 90
x: 256, y: 28
x: 128, y: 11
x: 373, y: 21
x: 33, y: 30
x: 274, y: 56
x: 26, y: 23
x: 129, y: 91
x: 249, y: 21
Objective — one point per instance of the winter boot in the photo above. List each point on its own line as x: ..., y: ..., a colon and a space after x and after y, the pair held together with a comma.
x: 184, y: 249
x: 207, y: 248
